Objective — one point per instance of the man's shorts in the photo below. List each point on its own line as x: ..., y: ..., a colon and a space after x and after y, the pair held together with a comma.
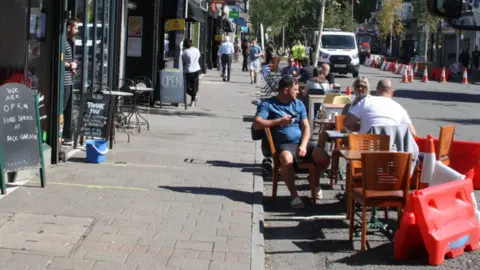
x: 254, y: 65
x: 292, y: 148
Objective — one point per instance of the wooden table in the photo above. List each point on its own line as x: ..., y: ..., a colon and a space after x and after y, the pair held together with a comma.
x: 312, y: 99
x: 327, y: 109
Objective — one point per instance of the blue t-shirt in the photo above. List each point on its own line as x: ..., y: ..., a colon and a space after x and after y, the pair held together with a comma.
x: 289, y: 70
x: 254, y: 50
x: 272, y: 108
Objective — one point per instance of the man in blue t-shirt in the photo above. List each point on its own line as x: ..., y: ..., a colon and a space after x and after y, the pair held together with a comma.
x: 254, y: 61
x: 286, y: 116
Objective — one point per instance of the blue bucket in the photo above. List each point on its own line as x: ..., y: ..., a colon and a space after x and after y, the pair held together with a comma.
x: 96, y: 150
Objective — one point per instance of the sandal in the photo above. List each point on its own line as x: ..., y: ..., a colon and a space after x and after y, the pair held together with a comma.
x: 297, y: 203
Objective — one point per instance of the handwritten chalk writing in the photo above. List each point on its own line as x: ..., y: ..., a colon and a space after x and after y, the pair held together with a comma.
x: 172, y: 81
x: 92, y: 105
x: 16, y: 127
x: 22, y: 118
x: 12, y: 97
x: 28, y: 136
x: 12, y: 90
x: 12, y: 138
x: 8, y: 120
x: 13, y: 106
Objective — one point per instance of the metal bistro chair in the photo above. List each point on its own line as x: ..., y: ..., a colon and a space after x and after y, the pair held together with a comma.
x: 143, y: 96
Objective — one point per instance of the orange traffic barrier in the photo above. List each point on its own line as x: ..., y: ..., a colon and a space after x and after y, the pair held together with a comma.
x: 428, y: 163
x: 425, y: 74
x: 405, y: 76
x: 443, y: 76
x: 440, y: 220
x: 465, y: 76
x: 393, y: 68
x: 348, y: 91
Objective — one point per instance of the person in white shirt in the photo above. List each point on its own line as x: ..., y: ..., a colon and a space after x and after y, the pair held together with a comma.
x: 226, y: 52
x: 191, y: 67
x: 380, y: 110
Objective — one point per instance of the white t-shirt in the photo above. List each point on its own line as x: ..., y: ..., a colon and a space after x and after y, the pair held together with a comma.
x: 379, y: 111
x: 190, y: 58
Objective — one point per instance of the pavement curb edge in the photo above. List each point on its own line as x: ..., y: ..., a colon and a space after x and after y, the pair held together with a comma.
x: 258, y: 242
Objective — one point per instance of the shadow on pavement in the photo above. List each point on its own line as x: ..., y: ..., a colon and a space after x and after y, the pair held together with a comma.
x: 174, y: 111
x: 234, y: 195
x: 381, y: 255
x: 470, y: 121
x: 438, y: 96
x: 77, y: 160
x: 246, y: 167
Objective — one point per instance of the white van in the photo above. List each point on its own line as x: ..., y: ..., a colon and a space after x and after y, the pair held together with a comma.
x: 340, y: 50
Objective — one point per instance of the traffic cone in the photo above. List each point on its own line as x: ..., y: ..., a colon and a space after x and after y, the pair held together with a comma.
x: 465, y: 76
x: 443, y: 77
x: 405, y: 76
x: 410, y: 75
x: 425, y: 74
x: 428, y: 164
x: 374, y: 64
x: 348, y: 91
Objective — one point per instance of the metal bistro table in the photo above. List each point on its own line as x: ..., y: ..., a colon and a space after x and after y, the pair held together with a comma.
x: 312, y: 100
x: 119, y: 117
x: 136, y: 91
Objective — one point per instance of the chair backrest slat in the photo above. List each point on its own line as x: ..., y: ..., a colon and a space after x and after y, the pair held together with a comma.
x: 444, y: 146
x: 386, y: 171
x: 330, y: 97
x: 370, y: 142
x: 342, y: 100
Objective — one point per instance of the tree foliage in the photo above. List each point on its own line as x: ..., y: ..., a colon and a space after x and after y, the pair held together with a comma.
x: 293, y: 14
x: 389, y: 19
x: 423, y: 16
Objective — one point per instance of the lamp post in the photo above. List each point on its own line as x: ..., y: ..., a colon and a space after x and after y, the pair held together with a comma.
x: 320, y: 29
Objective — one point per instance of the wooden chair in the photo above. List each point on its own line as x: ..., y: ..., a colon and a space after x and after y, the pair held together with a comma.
x: 342, y: 100
x: 442, y: 151
x: 340, y: 144
x: 386, y: 183
x: 370, y: 142
x: 305, y: 165
x: 444, y: 146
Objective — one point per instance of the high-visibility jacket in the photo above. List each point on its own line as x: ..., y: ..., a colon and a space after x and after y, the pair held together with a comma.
x: 295, y: 51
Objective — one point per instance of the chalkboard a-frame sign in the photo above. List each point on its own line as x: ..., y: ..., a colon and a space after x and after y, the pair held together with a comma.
x: 172, y: 86
x: 20, y: 140
x: 95, y: 115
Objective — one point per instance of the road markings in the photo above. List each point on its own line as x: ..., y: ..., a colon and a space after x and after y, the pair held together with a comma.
x: 126, y: 164
x: 97, y: 186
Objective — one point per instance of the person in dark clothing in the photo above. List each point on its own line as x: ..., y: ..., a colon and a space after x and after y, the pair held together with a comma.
x: 70, y: 71
x: 245, y: 55
x: 306, y: 72
x: 270, y: 51
x: 328, y: 75
x: 464, y: 59
x: 476, y: 60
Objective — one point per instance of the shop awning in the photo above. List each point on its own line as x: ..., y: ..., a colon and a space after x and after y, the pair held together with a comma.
x: 195, y: 13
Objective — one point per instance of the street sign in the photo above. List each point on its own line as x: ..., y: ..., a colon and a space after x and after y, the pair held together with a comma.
x: 233, y: 14
x: 176, y: 25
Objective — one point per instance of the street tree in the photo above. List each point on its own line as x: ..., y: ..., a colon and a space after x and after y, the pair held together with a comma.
x: 425, y: 21
x: 389, y: 19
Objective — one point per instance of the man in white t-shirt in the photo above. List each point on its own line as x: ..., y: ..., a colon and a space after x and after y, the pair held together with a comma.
x: 380, y: 110
x: 191, y: 67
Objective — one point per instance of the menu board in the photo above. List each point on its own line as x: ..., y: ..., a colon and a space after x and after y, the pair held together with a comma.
x: 19, y: 136
x: 96, y: 115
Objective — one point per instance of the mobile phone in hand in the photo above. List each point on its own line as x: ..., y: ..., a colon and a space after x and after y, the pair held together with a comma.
x: 294, y: 115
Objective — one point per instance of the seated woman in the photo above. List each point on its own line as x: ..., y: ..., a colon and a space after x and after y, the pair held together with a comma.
x: 318, y: 85
x: 361, y: 89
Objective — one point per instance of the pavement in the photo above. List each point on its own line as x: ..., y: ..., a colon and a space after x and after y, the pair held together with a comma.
x: 183, y: 195
x: 323, y: 244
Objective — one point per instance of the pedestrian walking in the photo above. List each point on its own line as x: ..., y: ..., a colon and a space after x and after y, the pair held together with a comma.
x: 226, y: 52
x: 191, y: 67
x: 245, y: 53
x: 237, y: 48
x: 254, y: 64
